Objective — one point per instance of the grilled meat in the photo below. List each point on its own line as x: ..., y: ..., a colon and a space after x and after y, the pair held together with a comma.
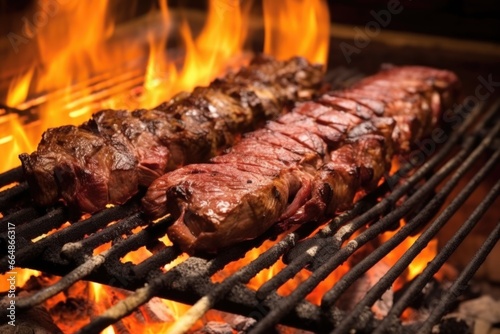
x: 108, y: 158
x: 307, y: 164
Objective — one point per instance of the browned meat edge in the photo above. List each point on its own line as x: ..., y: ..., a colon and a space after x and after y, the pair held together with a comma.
x: 108, y: 158
x: 307, y: 164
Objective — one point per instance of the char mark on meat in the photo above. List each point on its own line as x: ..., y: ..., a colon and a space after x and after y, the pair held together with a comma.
x: 107, y: 159
x: 306, y: 165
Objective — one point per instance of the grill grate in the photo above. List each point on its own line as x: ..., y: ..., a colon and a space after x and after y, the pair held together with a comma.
x: 68, y: 252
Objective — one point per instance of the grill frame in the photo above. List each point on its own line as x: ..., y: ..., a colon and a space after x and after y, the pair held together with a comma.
x: 67, y: 253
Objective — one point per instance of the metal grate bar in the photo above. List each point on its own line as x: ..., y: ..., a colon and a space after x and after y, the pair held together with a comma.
x: 74, y: 249
x: 18, y: 217
x: 144, y: 237
x: 12, y: 195
x: 39, y: 226
x: 11, y: 176
x: 156, y: 261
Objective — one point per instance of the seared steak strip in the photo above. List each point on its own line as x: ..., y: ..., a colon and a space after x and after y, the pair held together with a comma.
x: 307, y: 164
x: 106, y: 159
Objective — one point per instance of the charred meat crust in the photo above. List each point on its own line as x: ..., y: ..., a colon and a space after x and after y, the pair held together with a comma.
x: 109, y: 157
x: 305, y: 165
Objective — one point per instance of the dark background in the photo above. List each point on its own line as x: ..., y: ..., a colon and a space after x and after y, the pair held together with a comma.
x: 468, y: 19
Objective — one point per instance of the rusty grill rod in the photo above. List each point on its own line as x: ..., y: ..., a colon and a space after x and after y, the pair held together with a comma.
x: 388, y: 279
x: 151, y: 265
x: 420, y: 281
x: 458, y: 287
x: 39, y: 226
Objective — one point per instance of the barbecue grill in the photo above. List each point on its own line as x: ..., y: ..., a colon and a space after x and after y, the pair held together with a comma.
x: 68, y: 252
x: 419, y: 197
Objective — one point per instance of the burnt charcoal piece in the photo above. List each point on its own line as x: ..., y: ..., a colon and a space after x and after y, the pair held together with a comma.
x: 108, y: 159
x: 454, y: 326
x: 427, y: 298
x: 304, y: 166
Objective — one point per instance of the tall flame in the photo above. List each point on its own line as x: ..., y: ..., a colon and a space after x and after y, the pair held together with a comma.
x: 71, y: 56
x: 218, y: 43
x: 297, y: 28
x: 19, y: 89
x: 207, y: 55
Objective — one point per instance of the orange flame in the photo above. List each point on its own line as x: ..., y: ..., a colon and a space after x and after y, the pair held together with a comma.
x: 297, y: 27
x: 207, y: 55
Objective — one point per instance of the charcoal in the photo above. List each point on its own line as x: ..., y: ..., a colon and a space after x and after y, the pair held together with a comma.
x: 452, y: 325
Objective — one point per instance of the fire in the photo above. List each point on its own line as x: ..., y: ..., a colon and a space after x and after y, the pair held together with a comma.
x: 81, y: 67
x: 297, y: 27
x: 19, y: 88
x: 207, y: 55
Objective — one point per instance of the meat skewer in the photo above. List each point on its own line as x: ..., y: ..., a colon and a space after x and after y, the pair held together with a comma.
x: 109, y: 157
x: 307, y: 164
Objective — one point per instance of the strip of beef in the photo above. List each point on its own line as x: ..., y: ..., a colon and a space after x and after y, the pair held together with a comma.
x: 108, y: 158
x: 307, y: 164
